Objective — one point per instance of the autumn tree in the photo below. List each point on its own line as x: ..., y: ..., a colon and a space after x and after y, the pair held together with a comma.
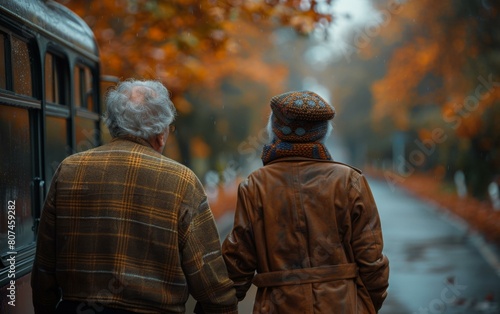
x: 210, y: 54
x: 442, y: 77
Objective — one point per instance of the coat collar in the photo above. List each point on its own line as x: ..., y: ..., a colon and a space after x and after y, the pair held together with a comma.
x: 299, y: 159
x: 133, y: 138
x: 296, y: 159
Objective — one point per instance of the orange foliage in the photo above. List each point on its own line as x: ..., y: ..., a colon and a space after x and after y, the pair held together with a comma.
x: 199, y: 148
x: 397, y: 92
x: 195, y: 48
x: 424, y: 135
x: 466, y: 111
x: 432, y: 46
x: 182, y: 105
x: 186, y: 42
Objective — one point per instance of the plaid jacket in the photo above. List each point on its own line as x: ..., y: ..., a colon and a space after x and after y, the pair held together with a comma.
x: 125, y: 227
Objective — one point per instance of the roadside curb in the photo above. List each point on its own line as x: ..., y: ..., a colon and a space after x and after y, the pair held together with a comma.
x: 489, y: 252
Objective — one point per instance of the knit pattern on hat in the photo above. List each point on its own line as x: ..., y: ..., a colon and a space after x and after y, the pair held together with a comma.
x: 299, y: 121
x: 302, y: 105
x: 300, y: 116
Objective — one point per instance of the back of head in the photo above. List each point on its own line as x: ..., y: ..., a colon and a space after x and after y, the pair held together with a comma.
x: 139, y: 108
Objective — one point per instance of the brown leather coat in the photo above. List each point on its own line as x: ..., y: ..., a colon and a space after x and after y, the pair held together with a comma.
x: 311, y: 231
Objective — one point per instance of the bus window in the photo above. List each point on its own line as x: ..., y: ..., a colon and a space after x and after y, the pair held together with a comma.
x: 50, y: 74
x: 77, y: 87
x: 3, y: 83
x: 16, y: 169
x: 54, y: 82
x: 41, y: 121
x: 87, y: 117
x: 87, y: 90
x: 57, y: 146
x: 83, y: 88
x: 21, y: 62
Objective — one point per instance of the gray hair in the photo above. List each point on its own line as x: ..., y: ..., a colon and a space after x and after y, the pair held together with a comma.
x: 272, y: 136
x: 140, y: 108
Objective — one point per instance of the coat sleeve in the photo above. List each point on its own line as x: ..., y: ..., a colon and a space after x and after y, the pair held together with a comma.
x: 367, y: 241
x: 203, y: 265
x: 238, y: 248
x: 45, y: 291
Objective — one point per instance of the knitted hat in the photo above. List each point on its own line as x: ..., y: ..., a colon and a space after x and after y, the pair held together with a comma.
x: 300, y: 116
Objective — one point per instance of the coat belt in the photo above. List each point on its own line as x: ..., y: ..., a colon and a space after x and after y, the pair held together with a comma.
x: 306, y: 275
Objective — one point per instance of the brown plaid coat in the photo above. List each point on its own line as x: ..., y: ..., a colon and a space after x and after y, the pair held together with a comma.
x: 126, y: 227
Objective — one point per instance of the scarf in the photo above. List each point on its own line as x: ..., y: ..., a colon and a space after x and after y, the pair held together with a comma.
x: 279, y: 149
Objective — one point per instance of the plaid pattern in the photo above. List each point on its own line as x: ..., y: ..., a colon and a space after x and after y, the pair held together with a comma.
x: 125, y: 227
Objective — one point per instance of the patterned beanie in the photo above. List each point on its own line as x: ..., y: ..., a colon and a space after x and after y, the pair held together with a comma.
x: 300, y: 117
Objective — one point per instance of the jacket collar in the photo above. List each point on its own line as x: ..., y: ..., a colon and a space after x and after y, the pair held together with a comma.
x: 133, y: 138
x: 296, y: 159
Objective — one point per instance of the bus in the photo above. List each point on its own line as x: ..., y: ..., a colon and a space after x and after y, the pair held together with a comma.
x: 50, y: 107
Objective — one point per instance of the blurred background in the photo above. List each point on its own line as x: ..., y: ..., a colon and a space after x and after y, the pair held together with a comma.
x: 415, y: 84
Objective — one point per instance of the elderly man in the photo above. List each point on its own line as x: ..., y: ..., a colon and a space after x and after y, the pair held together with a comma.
x: 308, y: 225
x: 125, y: 229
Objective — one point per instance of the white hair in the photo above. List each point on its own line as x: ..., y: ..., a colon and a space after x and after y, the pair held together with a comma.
x: 139, y: 108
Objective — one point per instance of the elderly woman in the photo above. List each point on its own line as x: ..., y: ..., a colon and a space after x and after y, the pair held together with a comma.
x: 306, y: 224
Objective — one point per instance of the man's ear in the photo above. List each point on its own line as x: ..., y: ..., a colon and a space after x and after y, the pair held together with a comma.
x: 161, y: 138
x: 158, y: 142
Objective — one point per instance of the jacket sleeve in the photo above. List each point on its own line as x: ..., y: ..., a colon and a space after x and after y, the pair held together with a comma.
x: 367, y: 241
x: 238, y: 248
x: 202, y: 261
x: 45, y: 291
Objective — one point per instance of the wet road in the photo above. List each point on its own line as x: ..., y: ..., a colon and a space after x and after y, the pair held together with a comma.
x: 437, y: 266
